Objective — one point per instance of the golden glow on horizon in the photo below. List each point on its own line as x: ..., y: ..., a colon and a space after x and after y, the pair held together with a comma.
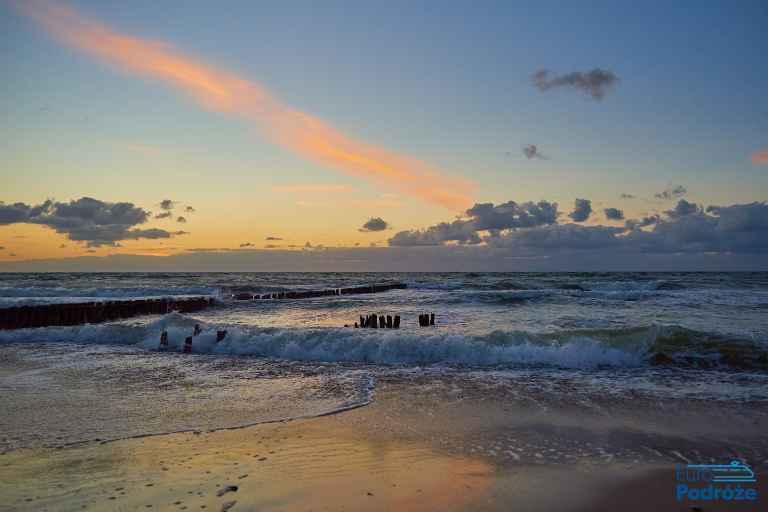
x: 225, y: 92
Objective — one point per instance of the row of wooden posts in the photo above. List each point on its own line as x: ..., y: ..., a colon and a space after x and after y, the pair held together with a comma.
x: 374, y: 321
x: 308, y: 294
x: 43, y: 315
x: 220, y: 335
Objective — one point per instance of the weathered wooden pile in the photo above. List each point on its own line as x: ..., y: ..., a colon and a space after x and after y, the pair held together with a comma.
x: 187, y: 349
x: 379, y: 322
x: 426, y: 319
x: 45, y: 315
x: 308, y: 294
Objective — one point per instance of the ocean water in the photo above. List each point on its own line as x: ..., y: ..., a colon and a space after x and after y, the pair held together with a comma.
x: 618, y: 342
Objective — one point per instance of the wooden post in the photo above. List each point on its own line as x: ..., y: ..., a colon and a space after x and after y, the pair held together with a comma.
x: 164, y: 340
x: 382, y: 321
x: 396, y: 323
x: 374, y: 321
x: 362, y: 321
x: 197, y: 330
x: 389, y: 321
x: 432, y: 319
x: 220, y: 335
x: 188, y: 345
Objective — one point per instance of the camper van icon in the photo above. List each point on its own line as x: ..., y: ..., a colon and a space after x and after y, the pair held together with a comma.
x: 735, y: 472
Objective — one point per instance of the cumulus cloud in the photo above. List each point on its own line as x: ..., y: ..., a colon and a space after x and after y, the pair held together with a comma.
x: 458, y: 231
x: 273, y: 238
x: 374, y: 224
x: 582, y: 209
x: 167, y: 204
x: 85, y: 220
x: 181, y: 219
x: 671, y: 193
x: 164, y: 215
x: 760, y: 158
x: 595, y: 82
x: 738, y: 228
x: 626, y: 196
x: 532, y: 151
x: 613, y: 214
x: 682, y: 208
x: 189, y: 209
x: 246, y: 244
x: 481, y: 217
x: 509, y: 215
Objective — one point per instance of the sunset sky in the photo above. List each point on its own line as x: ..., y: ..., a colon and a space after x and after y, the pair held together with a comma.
x: 259, y: 135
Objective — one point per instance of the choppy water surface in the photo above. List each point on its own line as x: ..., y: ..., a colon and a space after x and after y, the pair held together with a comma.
x: 669, y: 336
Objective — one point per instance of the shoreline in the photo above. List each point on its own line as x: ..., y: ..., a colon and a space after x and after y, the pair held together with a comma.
x: 366, y: 458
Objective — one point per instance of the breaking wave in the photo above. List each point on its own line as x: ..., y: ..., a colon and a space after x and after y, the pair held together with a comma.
x: 582, y: 349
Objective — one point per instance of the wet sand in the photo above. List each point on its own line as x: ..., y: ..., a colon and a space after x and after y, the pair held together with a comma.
x: 365, y: 459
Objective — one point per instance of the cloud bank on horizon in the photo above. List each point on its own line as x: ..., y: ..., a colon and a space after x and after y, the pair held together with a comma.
x: 534, y: 229
x: 228, y: 93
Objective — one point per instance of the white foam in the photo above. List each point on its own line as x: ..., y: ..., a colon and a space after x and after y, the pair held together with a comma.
x: 349, y: 345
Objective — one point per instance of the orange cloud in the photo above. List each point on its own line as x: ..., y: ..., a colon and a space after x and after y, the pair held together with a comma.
x: 221, y: 91
x: 760, y: 158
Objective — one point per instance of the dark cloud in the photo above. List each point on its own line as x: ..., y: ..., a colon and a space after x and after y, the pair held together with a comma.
x: 459, y: 231
x: 481, y: 217
x: 650, y: 220
x: 582, y: 209
x: 181, y: 219
x: 13, y: 213
x: 63, y: 246
x: 85, y: 220
x: 2, y: 248
x: 246, y: 244
x: 271, y: 246
x: 740, y: 228
x: 613, y: 214
x: 557, y: 236
x: 167, y: 204
x: 273, y: 238
x: 626, y: 196
x: 532, y: 151
x: 595, y: 82
x: 374, y: 224
x: 509, y: 215
x: 671, y: 193
x: 682, y: 208
x: 189, y: 209
x: 164, y: 215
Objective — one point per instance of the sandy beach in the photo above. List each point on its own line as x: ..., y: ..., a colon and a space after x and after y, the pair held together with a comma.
x: 377, y: 457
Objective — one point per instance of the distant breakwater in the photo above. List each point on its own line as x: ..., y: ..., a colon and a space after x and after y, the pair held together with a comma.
x: 45, y: 315
x: 308, y: 294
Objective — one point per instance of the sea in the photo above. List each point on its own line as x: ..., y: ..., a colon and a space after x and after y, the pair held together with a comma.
x: 643, y: 351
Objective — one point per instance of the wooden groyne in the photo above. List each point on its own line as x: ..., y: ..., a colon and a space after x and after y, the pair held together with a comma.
x: 45, y: 315
x: 308, y: 294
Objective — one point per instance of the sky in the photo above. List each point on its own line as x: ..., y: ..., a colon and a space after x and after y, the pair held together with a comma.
x: 383, y: 136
